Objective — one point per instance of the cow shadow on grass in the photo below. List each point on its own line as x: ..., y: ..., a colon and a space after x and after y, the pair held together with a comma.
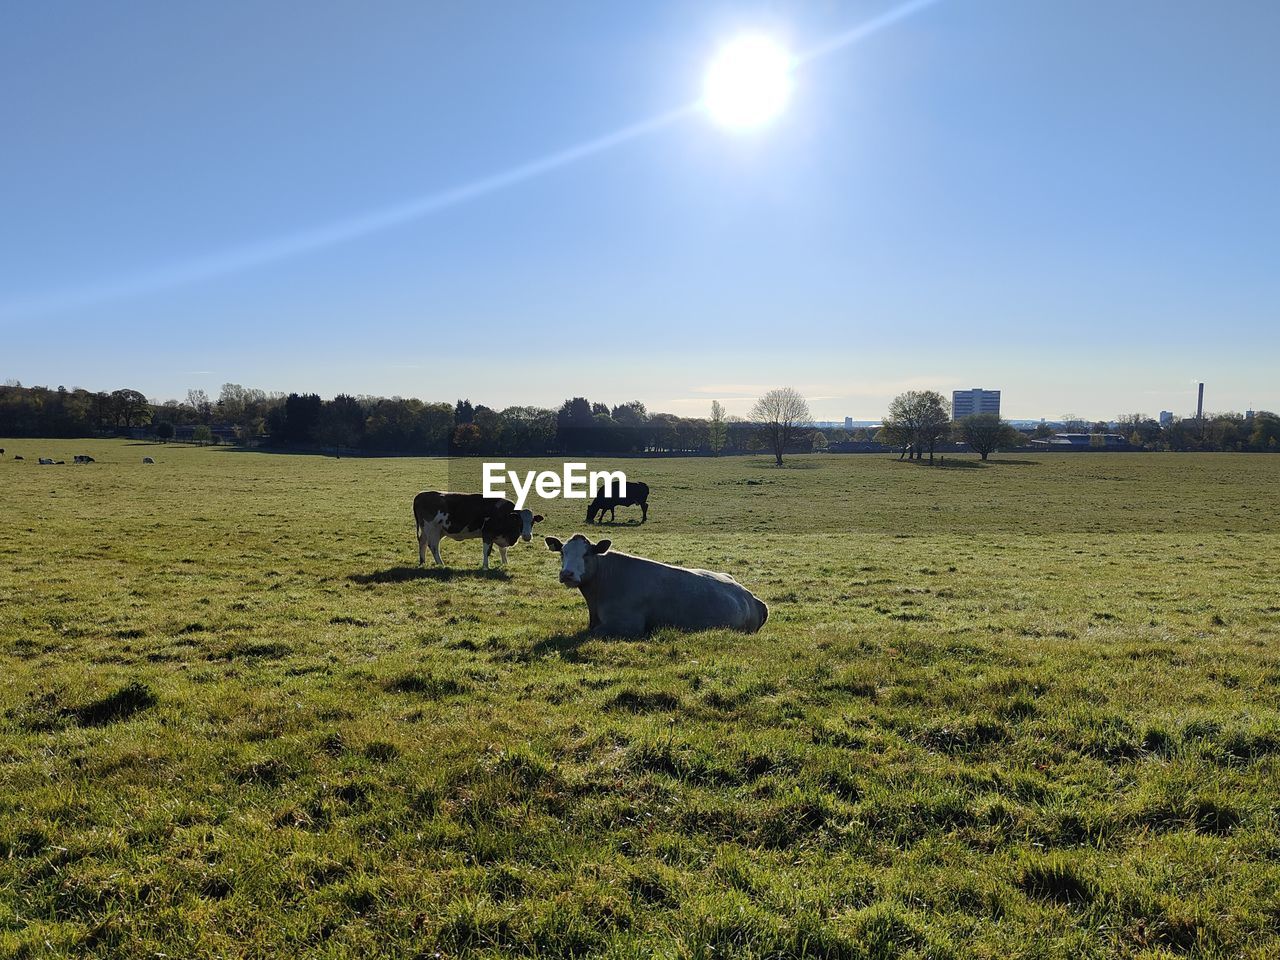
x: 406, y: 574
x: 633, y: 522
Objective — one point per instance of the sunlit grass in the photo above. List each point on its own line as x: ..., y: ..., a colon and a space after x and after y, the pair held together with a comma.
x: 993, y: 713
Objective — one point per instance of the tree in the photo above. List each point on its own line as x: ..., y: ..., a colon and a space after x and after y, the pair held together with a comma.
x: 164, y: 430
x: 573, y: 425
x: 200, y: 403
x: 130, y: 407
x: 1265, y: 434
x: 917, y: 420
x: 202, y: 434
x: 301, y: 421
x: 632, y: 421
x: 341, y: 423
x: 780, y: 416
x: 466, y: 440
x: 463, y: 412
x: 987, y: 433
x: 718, y: 431
x: 819, y: 442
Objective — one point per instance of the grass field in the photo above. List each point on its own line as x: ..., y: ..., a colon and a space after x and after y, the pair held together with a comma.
x: 1019, y: 710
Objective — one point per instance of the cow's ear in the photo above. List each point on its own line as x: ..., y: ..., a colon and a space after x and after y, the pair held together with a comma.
x: 538, y: 518
x: 602, y: 547
x: 553, y: 544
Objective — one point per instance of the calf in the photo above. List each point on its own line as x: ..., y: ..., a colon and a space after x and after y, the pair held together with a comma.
x: 637, y: 495
x: 465, y: 516
x: 631, y: 596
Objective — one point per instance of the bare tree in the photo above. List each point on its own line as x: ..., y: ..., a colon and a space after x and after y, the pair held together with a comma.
x: 199, y: 401
x: 718, y: 431
x: 780, y: 416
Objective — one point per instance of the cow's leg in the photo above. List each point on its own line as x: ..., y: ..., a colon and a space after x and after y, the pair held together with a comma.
x: 503, y: 550
x: 488, y: 547
x: 613, y: 514
x: 433, y: 541
x: 644, y: 511
x: 422, y: 544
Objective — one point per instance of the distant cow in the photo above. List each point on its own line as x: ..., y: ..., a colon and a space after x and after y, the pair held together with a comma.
x: 465, y: 516
x: 637, y: 495
x: 79, y: 458
x: 16, y: 457
x: 46, y: 462
x: 147, y: 460
x: 630, y: 596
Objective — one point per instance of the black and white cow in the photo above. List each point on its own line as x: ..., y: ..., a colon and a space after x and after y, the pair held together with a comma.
x: 630, y: 596
x: 637, y: 495
x: 465, y: 516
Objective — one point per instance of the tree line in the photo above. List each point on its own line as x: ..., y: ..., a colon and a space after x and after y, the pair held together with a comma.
x: 374, y: 424
x: 917, y: 424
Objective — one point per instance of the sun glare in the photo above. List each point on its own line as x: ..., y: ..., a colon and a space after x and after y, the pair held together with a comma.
x: 748, y: 83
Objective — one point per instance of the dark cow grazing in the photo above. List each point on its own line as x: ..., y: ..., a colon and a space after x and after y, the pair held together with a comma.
x: 46, y: 462
x: 16, y: 457
x: 80, y: 458
x: 147, y: 460
x: 637, y: 495
x: 630, y: 596
x: 465, y: 516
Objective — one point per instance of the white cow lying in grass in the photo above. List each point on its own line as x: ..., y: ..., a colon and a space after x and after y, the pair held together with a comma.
x: 630, y: 596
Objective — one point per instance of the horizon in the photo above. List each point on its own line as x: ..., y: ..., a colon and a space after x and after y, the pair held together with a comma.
x: 819, y: 420
x: 426, y: 203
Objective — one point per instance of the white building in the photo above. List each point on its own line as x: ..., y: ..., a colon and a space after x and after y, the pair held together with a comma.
x: 965, y: 403
x: 1166, y: 417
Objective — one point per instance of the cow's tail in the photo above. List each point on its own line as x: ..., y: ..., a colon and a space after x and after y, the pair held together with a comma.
x: 419, y: 520
x: 763, y: 609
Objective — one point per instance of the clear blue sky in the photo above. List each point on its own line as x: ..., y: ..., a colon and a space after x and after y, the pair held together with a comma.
x: 1076, y: 201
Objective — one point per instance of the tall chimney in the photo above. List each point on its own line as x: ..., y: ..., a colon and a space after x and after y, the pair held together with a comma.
x: 1200, y: 403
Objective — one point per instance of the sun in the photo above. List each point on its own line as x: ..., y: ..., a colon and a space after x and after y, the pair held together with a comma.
x: 748, y: 83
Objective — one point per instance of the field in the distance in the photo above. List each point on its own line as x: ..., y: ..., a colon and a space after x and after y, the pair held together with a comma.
x: 1025, y: 709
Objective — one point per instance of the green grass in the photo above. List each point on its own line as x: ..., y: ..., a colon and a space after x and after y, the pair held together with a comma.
x: 1019, y: 710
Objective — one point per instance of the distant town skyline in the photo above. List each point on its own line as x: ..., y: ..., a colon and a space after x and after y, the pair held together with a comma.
x: 428, y: 200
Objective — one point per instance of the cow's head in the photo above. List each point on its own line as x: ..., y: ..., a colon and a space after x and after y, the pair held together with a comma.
x: 577, y: 558
x: 527, y: 519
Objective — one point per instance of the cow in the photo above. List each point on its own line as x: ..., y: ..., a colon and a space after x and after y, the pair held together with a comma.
x: 637, y: 495
x: 630, y: 596
x: 46, y: 462
x: 16, y: 457
x: 465, y: 516
x: 80, y: 458
x: 148, y: 460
